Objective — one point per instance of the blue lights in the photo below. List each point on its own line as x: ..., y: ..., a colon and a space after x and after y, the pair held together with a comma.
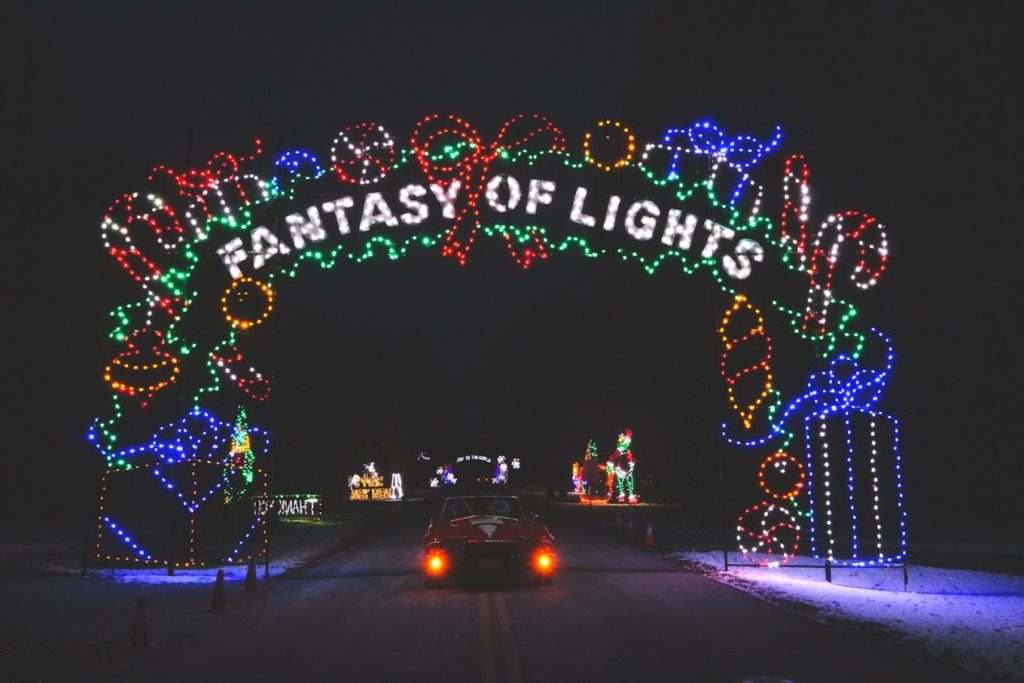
x: 298, y: 165
x: 704, y: 138
x: 855, y: 480
x: 191, y: 459
x: 141, y: 552
x: 197, y: 436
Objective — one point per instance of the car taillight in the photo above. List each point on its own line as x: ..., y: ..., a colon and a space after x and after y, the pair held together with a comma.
x: 435, y: 564
x: 544, y: 561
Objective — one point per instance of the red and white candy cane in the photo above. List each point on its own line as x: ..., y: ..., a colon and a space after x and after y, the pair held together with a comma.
x: 796, y: 195
x: 137, y: 230
x: 471, y: 168
x: 252, y: 383
x: 821, y: 258
x: 872, y: 254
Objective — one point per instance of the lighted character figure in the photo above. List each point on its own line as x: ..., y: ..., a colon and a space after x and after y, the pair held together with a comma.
x: 447, y: 476
x: 593, y: 481
x: 577, y: 479
x: 501, y: 471
x: 621, y: 468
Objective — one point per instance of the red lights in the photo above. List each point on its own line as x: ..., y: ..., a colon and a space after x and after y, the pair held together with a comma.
x: 821, y: 257
x: 544, y: 562
x: 221, y: 167
x: 436, y: 564
x: 446, y: 164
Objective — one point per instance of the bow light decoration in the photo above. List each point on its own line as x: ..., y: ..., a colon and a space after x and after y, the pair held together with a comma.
x: 464, y: 175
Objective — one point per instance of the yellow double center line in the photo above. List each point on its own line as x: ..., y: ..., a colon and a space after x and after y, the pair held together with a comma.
x: 506, y: 640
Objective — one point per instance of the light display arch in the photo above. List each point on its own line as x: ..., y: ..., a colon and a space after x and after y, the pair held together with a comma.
x: 207, y: 248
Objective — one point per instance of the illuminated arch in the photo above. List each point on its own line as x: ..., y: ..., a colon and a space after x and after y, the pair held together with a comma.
x: 237, y: 228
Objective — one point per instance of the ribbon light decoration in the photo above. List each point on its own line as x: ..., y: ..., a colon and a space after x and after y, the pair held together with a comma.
x: 736, y: 156
x: 464, y: 172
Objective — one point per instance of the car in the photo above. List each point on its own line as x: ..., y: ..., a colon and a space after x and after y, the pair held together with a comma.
x: 486, y: 533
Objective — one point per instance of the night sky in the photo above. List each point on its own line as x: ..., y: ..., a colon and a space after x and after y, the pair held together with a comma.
x: 905, y: 113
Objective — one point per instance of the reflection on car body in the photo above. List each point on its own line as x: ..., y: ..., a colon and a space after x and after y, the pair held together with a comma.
x: 486, y: 533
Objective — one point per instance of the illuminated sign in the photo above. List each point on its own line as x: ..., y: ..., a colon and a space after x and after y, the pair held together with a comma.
x: 288, y: 505
x: 641, y: 219
x: 370, y: 485
x: 446, y: 474
x: 464, y: 458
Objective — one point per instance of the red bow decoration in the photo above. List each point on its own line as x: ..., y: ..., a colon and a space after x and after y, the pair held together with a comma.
x: 471, y: 169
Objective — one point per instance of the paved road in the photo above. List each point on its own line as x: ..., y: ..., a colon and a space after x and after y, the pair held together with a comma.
x: 614, y: 613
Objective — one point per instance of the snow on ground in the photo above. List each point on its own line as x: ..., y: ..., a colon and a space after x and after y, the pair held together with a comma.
x: 294, y: 544
x: 974, y: 618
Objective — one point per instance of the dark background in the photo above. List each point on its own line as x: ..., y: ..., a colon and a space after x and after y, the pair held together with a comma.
x: 905, y: 113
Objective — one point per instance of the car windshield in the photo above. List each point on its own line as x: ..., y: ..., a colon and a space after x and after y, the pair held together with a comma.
x: 499, y: 506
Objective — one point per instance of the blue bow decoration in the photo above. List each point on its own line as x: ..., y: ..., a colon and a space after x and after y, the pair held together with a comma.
x: 845, y: 386
x: 197, y: 436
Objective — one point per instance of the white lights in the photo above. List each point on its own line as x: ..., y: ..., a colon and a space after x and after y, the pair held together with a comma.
x: 363, y: 153
x: 821, y: 258
x: 396, y: 487
x: 641, y: 220
x: 515, y: 194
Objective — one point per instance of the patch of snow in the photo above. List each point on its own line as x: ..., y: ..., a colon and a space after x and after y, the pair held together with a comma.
x: 293, y: 545
x: 975, y: 617
x: 206, y: 575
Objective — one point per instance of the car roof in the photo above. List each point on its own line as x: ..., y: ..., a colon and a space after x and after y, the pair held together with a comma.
x: 483, y: 495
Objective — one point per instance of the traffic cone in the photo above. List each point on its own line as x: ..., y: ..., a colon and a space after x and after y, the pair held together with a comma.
x: 140, y: 629
x: 220, y: 598
x: 649, y: 540
x: 250, y: 576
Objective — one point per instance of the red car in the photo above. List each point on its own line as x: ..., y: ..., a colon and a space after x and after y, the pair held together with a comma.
x: 487, y: 533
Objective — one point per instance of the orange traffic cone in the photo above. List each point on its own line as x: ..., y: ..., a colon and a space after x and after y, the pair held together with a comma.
x: 250, y: 576
x: 649, y: 540
x: 220, y: 598
x: 140, y: 629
